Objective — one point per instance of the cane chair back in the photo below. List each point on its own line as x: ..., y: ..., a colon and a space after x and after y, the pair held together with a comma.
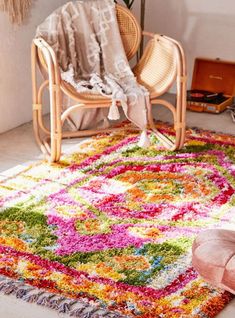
x: 159, y: 54
x: 130, y: 31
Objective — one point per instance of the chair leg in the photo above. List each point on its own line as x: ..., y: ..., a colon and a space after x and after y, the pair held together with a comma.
x: 58, y: 136
x: 37, y: 134
x: 50, y: 144
x: 55, y: 126
x: 183, y: 114
x: 167, y: 142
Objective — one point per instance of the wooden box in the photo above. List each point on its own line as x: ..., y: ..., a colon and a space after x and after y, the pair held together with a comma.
x: 216, y: 76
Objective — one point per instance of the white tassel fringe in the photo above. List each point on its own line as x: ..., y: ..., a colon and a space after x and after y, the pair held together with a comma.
x: 144, y: 141
x: 113, y: 112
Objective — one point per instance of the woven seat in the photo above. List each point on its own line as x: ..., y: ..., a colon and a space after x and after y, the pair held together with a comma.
x: 161, y: 65
x: 91, y: 97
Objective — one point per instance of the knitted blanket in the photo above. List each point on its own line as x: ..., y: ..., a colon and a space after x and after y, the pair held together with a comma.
x: 86, y: 39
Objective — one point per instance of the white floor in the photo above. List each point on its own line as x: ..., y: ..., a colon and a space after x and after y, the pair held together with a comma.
x: 18, y: 149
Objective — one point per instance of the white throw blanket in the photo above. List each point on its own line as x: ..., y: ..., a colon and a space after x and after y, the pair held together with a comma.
x: 86, y: 38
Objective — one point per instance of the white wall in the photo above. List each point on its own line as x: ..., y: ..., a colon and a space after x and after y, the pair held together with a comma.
x: 15, y: 74
x: 204, y: 27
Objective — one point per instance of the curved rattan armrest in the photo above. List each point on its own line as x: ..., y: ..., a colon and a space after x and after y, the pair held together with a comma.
x: 46, y: 51
x: 43, y: 47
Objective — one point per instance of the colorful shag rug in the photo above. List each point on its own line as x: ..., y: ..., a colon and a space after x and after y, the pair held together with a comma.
x: 108, y: 231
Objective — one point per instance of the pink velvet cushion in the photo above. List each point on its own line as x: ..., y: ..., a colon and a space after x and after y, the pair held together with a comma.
x: 214, y: 257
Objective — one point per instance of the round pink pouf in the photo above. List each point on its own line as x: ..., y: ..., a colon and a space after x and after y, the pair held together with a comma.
x: 214, y: 257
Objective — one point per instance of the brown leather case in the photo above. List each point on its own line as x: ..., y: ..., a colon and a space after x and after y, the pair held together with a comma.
x: 215, y: 76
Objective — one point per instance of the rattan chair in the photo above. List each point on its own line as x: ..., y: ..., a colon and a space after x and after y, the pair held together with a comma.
x: 162, y: 65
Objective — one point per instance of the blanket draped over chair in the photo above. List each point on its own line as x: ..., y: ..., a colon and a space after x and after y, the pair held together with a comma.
x: 86, y: 39
x: 17, y: 9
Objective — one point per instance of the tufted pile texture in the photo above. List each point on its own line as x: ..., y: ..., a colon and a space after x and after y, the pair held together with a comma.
x: 108, y: 231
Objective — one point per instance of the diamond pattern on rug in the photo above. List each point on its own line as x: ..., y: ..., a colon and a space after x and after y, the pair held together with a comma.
x: 107, y: 232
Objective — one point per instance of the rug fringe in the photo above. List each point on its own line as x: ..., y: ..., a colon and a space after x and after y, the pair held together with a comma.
x: 55, y: 303
x: 63, y: 305
x: 32, y: 298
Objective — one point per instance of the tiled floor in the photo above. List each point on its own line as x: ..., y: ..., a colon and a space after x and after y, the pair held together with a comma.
x: 18, y: 149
